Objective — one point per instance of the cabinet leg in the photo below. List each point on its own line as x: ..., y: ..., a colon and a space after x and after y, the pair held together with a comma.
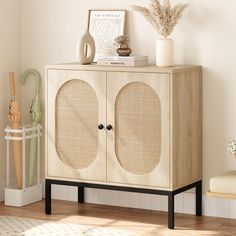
x: 47, y: 196
x: 199, y: 198
x: 171, y: 210
x: 80, y: 194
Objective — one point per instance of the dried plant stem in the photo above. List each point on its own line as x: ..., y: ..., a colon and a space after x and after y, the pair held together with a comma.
x: 162, y: 17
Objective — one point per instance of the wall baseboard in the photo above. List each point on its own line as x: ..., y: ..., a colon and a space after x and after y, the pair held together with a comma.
x: 184, y: 202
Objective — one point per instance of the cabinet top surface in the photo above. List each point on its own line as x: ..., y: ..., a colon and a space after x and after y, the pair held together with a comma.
x: 146, y: 69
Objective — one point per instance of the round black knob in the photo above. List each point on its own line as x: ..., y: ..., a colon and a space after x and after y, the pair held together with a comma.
x: 100, y: 126
x: 109, y: 127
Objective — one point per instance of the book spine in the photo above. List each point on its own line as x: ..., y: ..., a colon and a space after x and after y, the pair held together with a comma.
x: 122, y: 59
x: 121, y: 63
x: 107, y: 58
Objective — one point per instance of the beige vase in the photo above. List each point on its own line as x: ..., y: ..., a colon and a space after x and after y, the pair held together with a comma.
x: 86, y: 49
x: 164, y: 52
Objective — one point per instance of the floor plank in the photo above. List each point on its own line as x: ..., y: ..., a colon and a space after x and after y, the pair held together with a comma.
x: 141, y: 222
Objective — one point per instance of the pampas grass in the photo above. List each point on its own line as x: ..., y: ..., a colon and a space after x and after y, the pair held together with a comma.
x: 162, y: 16
x: 232, y: 147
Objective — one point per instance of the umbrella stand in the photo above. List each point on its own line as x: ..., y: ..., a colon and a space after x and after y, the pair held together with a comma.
x: 35, y: 115
x: 14, y: 117
x: 28, y: 194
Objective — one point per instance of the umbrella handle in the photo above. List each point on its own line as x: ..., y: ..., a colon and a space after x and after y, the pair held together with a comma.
x: 36, y: 75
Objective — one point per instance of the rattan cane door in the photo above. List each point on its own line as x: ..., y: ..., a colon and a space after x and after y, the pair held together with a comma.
x: 76, y: 105
x: 138, y: 143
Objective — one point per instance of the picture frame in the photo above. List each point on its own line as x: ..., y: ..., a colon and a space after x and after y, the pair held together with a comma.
x: 105, y: 26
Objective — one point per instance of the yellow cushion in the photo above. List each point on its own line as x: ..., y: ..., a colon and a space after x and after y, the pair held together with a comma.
x: 224, y: 183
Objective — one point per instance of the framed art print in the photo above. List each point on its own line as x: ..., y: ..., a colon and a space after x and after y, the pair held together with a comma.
x: 105, y: 26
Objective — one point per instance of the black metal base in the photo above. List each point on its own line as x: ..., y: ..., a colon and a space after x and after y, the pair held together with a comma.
x: 170, y: 194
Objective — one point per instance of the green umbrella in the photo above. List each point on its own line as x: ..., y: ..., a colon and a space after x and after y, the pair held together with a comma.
x: 35, y: 115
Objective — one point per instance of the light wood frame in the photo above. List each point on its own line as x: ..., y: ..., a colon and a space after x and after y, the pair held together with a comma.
x: 221, y: 195
x: 105, y: 46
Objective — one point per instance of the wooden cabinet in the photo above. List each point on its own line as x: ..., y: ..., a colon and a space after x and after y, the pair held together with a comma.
x: 151, y: 118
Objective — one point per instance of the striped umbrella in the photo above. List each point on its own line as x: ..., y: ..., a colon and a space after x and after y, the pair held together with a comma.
x: 14, y: 117
x: 35, y: 116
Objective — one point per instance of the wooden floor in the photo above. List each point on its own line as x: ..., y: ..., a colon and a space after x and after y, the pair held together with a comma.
x: 141, y: 222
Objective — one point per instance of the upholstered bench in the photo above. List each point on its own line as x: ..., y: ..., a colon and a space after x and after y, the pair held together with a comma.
x: 223, y: 185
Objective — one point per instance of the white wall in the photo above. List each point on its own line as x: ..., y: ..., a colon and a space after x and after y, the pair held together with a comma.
x: 9, y: 61
x: 206, y: 35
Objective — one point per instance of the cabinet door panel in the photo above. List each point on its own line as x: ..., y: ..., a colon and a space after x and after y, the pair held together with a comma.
x: 138, y: 144
x: 76, y: 106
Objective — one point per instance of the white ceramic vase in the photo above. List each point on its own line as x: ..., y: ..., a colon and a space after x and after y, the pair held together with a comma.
x: 164, y: 52
x: 85, y: 49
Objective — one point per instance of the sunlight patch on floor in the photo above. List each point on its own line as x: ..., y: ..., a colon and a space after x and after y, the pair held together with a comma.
x: 14, y: 226
x: 139, y: 228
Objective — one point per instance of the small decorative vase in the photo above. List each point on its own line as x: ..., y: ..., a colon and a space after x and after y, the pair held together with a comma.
x: 124, y: 50
x: 164, y: 52
x: 86, y: 49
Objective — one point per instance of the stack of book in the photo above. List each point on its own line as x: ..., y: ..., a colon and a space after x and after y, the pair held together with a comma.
x: 122, y: 61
